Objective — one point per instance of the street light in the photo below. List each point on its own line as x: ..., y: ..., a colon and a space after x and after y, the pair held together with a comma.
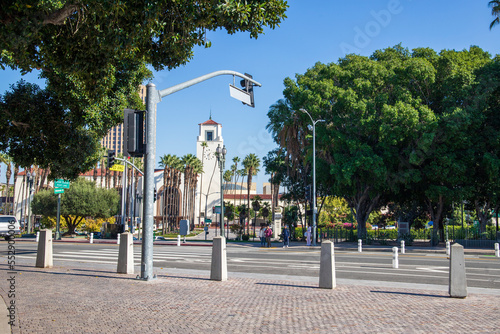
x: 221, y: 158
x: 314, y: 172
x: 153, y: 97
x: 31, y: 177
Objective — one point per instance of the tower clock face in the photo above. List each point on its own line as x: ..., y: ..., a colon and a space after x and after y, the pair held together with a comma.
x: 208, y: 154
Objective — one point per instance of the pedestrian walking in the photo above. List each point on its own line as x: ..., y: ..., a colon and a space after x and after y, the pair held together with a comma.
x: 286, y: 236
x: 309, y: 235
x: 262, y: 236
x: 268, y: 233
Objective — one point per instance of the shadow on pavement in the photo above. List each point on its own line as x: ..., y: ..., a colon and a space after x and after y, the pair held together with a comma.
x: 186, y: 277
x: 290, y: 285
x: 410, y: 294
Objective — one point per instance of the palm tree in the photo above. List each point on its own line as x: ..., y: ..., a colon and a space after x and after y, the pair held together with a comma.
x: 188, y: 160
x: 4, y: 158
x: 203, y: 146
x: 242, y: 173
x: 228, y: 175
x: 495, y: 11
x: 172, y: 166
x: 251, y: 164
x: 16, y: 171
x: 197, y: 169
x: 234, y: 169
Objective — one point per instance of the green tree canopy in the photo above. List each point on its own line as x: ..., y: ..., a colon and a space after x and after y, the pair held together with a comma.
x: 400, y: 126
x: 81, y: 200
x: 94, y: 54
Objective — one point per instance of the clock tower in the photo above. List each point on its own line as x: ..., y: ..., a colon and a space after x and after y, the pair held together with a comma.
x: 208, y: 191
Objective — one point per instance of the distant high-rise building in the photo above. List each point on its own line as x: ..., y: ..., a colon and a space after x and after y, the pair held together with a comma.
x: 114, y: 138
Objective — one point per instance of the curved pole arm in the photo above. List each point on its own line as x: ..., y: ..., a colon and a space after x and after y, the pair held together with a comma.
x: 189, y: 83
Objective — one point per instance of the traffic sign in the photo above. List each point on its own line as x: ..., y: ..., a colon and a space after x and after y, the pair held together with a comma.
x: 61, y: 184
x: 58, y: 190
x: 118, y: 168
x: 208, y: 221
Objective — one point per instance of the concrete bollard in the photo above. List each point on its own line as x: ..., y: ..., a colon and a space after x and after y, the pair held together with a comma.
x: 178, y: 239
x: 360, y: 245
x: 458, y: 280
x: 37, y: 236
x: 497, y: 250
x: 448, y: 248
x: 44, y: 257
x: 118, y: 238
x: 395, y: 261
x: 402, y: 246
x: 327, y: 279
x: 91, y: 240
x: 218, y: 270
x: 126, y: 254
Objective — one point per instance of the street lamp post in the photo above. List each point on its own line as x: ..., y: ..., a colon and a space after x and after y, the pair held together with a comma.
x: 221, y: 158
x: 153, y: 97
x: 31, y: 177
x: 314, y: 172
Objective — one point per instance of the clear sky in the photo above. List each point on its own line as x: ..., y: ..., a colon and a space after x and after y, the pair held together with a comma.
x: 314, y: 31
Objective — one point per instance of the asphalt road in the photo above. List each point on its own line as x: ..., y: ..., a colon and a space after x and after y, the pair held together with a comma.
x: 415, y: 268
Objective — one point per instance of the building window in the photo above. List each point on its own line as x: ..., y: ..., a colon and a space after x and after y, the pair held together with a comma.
x: 209, y: 135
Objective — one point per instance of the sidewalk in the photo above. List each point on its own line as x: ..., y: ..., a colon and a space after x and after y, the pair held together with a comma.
x: 75, y: 300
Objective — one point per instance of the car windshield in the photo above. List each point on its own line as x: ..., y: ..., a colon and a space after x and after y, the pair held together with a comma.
x: 7, y: 219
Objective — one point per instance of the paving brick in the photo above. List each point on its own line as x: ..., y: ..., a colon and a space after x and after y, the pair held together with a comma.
x: 75, y: 300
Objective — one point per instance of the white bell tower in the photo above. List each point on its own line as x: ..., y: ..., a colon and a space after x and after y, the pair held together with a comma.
x: 208, y: 189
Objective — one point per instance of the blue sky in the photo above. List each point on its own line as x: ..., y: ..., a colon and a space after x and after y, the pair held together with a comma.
x: 314, y: 31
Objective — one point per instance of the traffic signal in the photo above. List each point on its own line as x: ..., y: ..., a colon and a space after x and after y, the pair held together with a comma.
x: 111, y: 158
x: 133, y: 132
x: 154, y: 196
x: 248, y: 88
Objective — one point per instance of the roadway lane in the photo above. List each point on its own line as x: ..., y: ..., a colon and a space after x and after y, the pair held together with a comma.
x: 482, y: 271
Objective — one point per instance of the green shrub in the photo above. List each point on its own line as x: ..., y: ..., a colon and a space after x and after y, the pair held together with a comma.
x: 245, y: 237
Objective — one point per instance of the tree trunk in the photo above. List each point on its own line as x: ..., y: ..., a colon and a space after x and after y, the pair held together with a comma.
x: 482, y: 211
x: 362, y: 205
x: 436, y: 211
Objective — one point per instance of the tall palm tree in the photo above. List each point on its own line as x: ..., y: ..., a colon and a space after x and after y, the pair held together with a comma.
x: 188, y: 161
x: 203, y: 146
x: 234, y: 169
x: 197, y: 169
x: 228, y: 175
x: 251, y: 164
x: 4, y: 158
x: 16, y: 171
x: 495, y: 11
x: 242, y: 173
x: 172, y: 165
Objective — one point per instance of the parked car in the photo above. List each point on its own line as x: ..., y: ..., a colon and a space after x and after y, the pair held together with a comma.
x: 9, y: 227
x: 97, y: 235
x: 160, y: 238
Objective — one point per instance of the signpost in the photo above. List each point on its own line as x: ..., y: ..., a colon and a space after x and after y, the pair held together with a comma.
x: 59, y: 186
x: 118, y: 168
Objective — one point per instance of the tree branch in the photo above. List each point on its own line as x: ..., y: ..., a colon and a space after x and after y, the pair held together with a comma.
x: 59, y: 16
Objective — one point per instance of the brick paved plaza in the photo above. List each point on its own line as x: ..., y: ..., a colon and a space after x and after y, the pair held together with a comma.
x: 88, y: 300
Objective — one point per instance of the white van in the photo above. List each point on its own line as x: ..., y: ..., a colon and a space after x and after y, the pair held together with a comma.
x: 9, y: 227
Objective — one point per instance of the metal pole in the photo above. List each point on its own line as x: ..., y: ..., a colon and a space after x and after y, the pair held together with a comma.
x: 124, y: 194
x: 314, y: 173
x: 147, y: 243
x: 314, y: 183
x: 221, y: 161
x: 58, y: 231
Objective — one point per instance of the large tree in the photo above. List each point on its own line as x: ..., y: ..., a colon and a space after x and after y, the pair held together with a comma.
x: 94, y: 54
x: 407, y: 127
x: 82, y: 199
